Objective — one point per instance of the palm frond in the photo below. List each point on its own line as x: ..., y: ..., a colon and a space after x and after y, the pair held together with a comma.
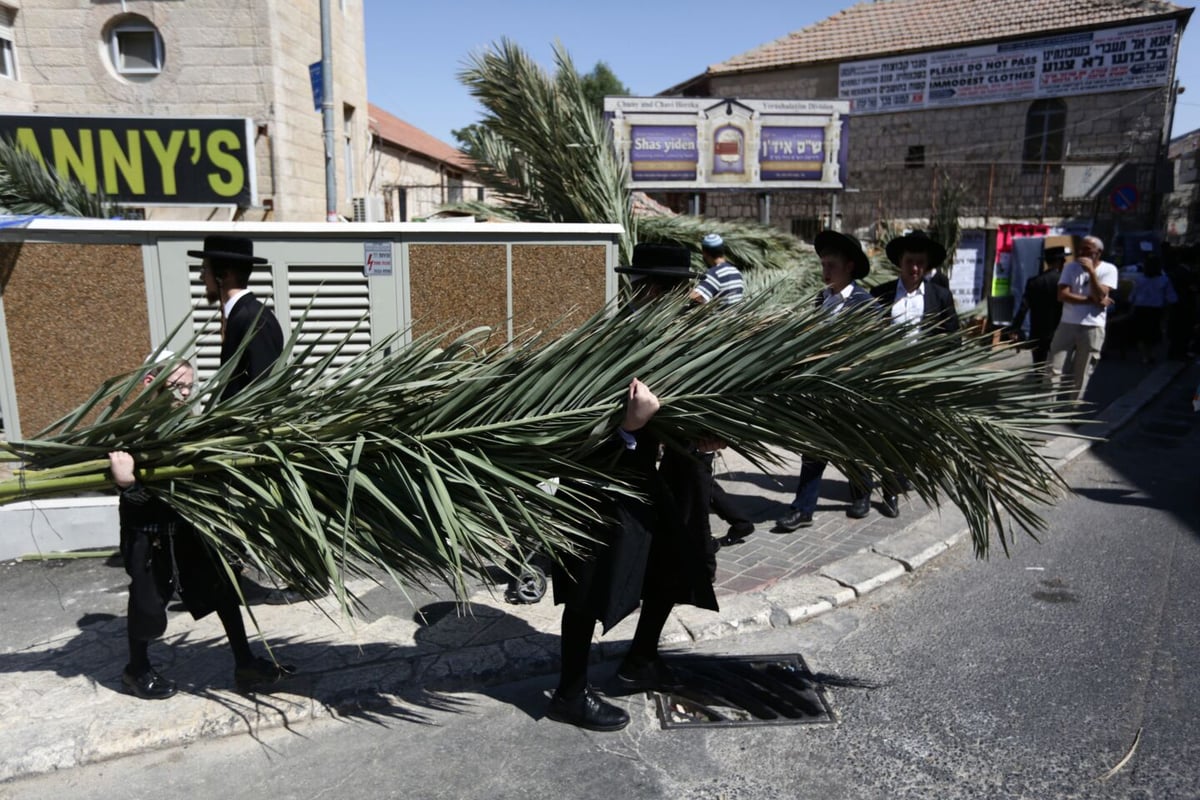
x: 431, y: 462
x: 541, y: 145
x: 29, y: 187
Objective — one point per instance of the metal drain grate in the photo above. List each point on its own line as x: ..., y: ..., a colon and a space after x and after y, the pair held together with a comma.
x: 738, y: 691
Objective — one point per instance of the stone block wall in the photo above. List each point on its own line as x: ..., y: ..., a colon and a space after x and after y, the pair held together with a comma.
x: 978, y: 146
x: 220, y: 58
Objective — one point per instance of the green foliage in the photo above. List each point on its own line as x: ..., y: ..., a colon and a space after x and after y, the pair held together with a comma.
x: 29, y: 187
x: 545, y: 150
x: 601, y: 82
x: 943, y: 218
x: 431, y: 462
x: 541, y: 145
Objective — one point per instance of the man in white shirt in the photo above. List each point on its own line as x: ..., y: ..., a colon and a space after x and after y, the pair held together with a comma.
x: 1083, y: 289
x: 843, y: 263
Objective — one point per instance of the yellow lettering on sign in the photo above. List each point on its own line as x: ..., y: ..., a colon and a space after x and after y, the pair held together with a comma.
x: 219, y: 142
x: 68, y: 161
x: 166, y: 155
x: 28, y: 142
x: 129, y: 161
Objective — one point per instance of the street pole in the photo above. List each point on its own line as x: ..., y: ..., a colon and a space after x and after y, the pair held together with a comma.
x: 331, y: 203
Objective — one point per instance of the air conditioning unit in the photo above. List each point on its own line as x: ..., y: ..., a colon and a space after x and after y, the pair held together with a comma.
x: 368, y: 209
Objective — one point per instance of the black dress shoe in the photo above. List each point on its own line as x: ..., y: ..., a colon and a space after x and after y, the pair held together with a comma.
x: 650, y: 675
x: 794, y: 520
x: 259, y: 673
x: 588, y: 711
x: 148, y: 685
x: 859, y: 508
x: 740, y: 530
x: 890, y: 506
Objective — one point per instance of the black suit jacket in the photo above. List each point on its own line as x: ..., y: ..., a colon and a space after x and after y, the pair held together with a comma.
x: 1040, y: 301
x: 940, y: 315
x: 250, y: 319
x: 644, y: 548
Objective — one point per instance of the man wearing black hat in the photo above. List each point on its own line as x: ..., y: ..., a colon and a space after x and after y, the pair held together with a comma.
x: 228, y: 261
x: 919, y: 302
x: 842, y: 263
x: 653, y: 555
x: 225, y: 270
x: 1040, y: 302
x: 914, y: 299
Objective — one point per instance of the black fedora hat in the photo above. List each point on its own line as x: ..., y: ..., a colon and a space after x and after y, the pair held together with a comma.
x: 228, y: 248
x: 1055, y: 253
x: 848, y: 246
x: 916, y: 242
x: 662, y: 263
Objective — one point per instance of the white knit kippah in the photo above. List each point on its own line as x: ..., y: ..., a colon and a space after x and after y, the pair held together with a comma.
x: 712, y: 240
x: 162, y: 355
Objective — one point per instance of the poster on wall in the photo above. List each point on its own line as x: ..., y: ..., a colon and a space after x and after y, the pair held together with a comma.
x: 1006, y: 236
x: 1113, y: 59
x: 688, y: 143
x: 664, y: 152
x: 966, y: 275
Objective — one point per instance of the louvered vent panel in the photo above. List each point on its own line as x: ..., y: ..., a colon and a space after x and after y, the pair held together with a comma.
x: 337, y: 299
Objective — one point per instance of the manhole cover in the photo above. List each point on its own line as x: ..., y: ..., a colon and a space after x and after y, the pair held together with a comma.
x: 737, y: 691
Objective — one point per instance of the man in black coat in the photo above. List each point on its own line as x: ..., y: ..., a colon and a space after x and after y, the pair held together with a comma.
x: 924, y: 305
x: 655, y: 550
x: 913, y: 298
x: 225, y: 270
x: 164, y: 554
x: 228, y: 261
x: 843, y: 264
x: 1040, y: 302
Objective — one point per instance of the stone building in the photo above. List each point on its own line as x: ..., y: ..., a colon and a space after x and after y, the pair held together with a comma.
x: 413, y: 173
x: 1054, y: 112
x: 1183, y: 203
x: 190, y: 110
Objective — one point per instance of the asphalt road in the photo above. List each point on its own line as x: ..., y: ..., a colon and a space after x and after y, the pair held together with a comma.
x: 1031, y: 676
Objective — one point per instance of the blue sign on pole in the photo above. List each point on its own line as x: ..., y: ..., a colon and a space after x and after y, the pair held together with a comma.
x: 1124, y: 198
x: 314, y: 75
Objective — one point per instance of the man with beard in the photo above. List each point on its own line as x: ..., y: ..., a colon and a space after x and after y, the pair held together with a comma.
x: 228, y: 261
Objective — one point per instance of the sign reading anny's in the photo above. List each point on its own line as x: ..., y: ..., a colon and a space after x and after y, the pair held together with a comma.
x: 145, y: 160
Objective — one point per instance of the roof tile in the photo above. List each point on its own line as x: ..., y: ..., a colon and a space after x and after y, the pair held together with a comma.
x: 871, y: 29
x: 396, y: 131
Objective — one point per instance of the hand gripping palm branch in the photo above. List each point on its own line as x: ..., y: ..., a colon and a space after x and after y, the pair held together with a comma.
x: 426, y: 460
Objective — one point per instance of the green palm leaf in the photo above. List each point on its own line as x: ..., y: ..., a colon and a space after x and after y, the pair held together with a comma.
x: 29, y: 187
x: 548, y: 155
x: 430, y: 462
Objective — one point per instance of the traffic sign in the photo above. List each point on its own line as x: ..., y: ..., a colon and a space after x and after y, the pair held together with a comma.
x: 1124, y: 198
x: 316, y: 78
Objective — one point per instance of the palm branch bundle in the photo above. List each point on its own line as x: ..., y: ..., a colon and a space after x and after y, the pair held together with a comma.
x: 29, y: 187
x: 542, y: 145
x: 431, y: 462
x: 548, y: 155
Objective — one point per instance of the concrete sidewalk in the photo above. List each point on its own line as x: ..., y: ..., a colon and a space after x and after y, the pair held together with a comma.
x: 63, y: 645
